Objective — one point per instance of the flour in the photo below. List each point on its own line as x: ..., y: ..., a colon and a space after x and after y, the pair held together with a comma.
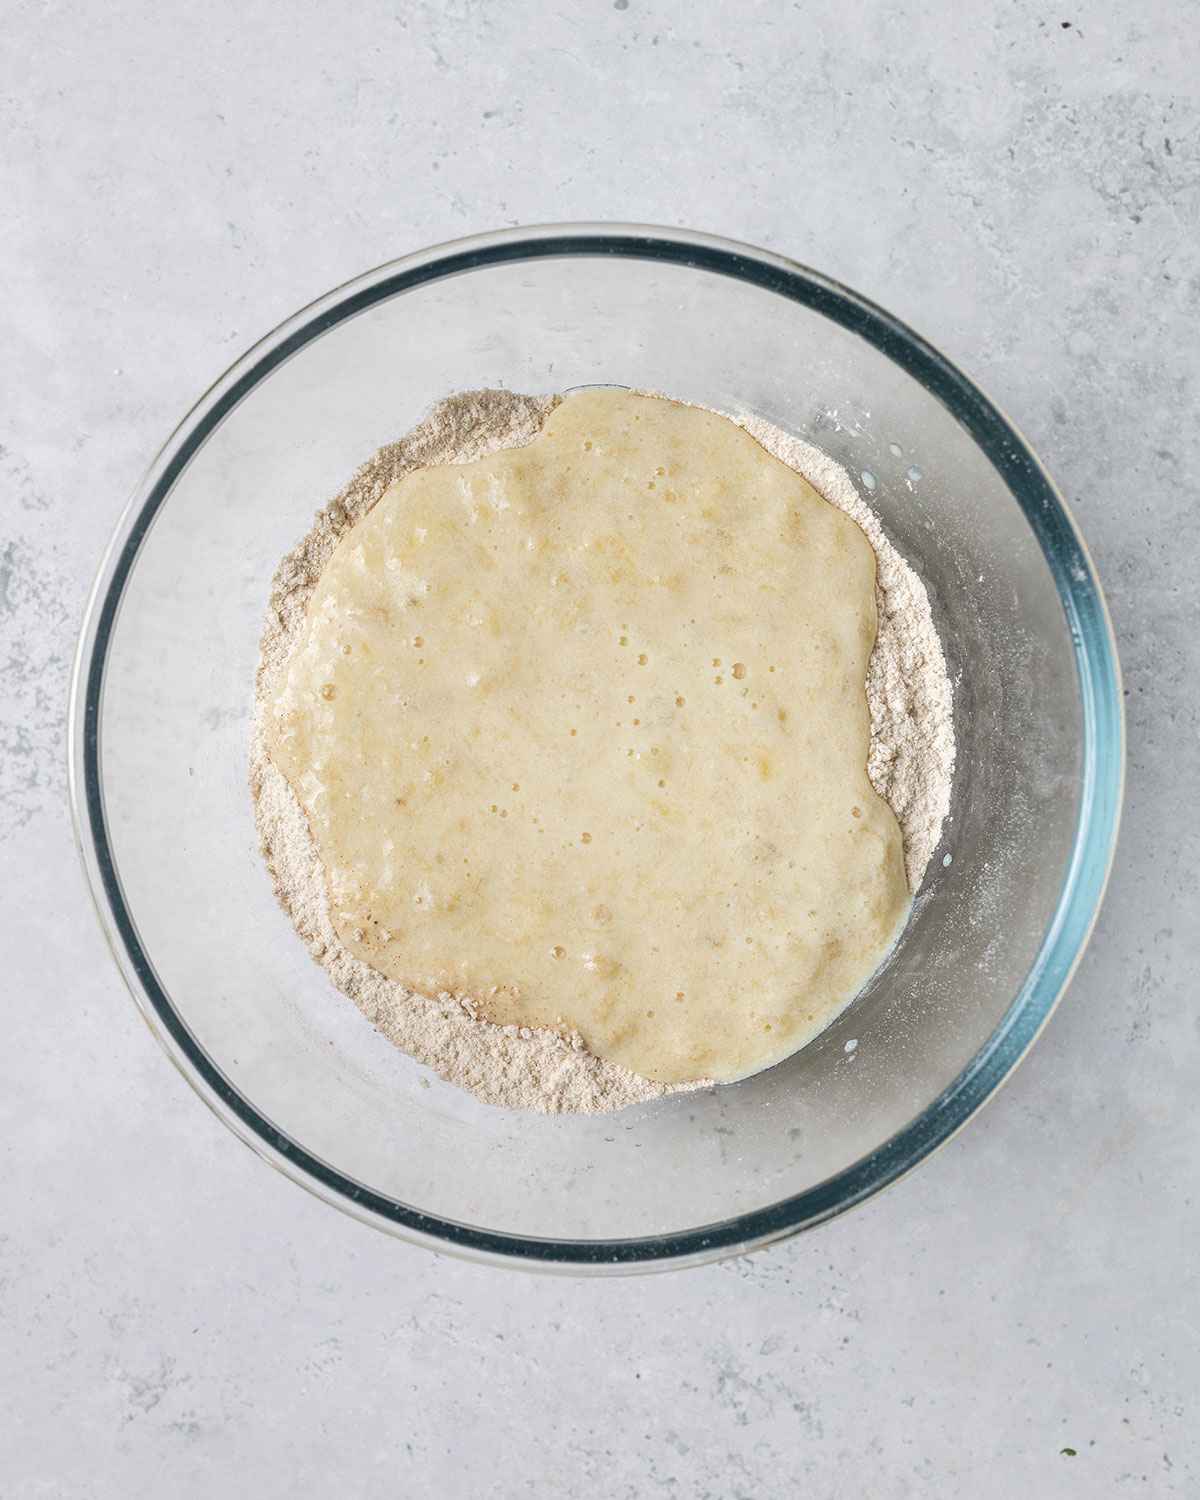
x: 517, y: 1067
x: 910, y: 764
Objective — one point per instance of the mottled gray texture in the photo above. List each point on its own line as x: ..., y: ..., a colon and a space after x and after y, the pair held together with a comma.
x: 174, y: 1318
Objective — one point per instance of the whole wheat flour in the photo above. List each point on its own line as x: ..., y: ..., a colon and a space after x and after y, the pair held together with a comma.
x: 910, y: 764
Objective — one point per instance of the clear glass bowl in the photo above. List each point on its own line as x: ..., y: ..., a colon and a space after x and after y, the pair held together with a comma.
x: 162, y: 699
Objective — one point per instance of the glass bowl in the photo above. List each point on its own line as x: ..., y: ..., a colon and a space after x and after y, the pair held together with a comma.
x: 162, y: 699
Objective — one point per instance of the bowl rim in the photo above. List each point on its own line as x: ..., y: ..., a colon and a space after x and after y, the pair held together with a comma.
x: 1102, y: 776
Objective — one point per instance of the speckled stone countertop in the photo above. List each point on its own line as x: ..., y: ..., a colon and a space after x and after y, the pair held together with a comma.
x: 1019, y: 1317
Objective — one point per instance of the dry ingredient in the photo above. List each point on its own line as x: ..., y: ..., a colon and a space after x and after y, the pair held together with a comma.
x: 911, y: 761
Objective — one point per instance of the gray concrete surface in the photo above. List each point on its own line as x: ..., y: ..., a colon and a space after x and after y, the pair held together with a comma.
x: 1018, y: 1318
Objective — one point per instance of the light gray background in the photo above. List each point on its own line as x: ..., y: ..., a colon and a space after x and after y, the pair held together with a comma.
x: 177, y: 1320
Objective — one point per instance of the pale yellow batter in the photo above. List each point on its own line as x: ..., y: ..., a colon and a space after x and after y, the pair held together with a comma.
x: 581, y: 732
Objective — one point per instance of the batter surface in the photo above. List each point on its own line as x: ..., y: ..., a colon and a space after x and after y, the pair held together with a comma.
x: 580, y: 731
